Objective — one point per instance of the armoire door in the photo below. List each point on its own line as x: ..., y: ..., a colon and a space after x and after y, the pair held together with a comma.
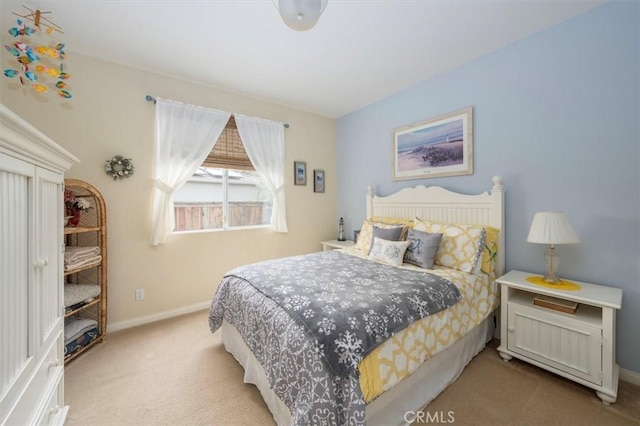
x: 48, y: 256
x: 17, y: 338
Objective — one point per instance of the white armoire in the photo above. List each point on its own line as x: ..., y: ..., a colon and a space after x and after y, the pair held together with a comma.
x: 31, y: 269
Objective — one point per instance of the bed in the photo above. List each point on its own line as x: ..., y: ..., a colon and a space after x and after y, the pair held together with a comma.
x: 305, y: 377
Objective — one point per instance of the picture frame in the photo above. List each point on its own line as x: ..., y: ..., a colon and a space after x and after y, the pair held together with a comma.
x: 318, y: 181
x: 437, y: 147
x: 299, y: 172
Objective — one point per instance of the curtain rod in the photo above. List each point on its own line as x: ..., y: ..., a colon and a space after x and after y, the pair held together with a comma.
x: 150, y: 98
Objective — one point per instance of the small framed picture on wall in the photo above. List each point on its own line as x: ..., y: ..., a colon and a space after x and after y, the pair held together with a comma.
x: 318, y: 181
x: 300, y: 172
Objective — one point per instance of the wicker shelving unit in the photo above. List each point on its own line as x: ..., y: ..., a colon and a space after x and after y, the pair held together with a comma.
x: 90, y: 231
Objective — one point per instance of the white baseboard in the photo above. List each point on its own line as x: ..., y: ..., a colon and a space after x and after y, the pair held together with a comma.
x: 630, y: 376
x: 157, y: 317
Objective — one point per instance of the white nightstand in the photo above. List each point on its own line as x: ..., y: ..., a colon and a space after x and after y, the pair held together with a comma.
x: 335, y: 244
x: 579, y: 346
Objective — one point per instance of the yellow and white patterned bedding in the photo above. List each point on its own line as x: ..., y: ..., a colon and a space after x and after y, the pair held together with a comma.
x: 401, y: 355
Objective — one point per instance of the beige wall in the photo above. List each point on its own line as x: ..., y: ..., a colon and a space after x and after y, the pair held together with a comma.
x: 108, y: 115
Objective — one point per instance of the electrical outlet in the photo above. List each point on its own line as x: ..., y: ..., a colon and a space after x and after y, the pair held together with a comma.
x: 139, y: 295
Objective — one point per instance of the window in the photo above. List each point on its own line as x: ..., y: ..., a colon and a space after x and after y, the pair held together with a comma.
x: 225, y: 192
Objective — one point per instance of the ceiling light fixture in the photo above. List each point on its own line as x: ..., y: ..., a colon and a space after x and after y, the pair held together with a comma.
x: 300, y: 15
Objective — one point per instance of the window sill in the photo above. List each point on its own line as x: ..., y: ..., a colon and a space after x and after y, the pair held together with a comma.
x: 236, y: 228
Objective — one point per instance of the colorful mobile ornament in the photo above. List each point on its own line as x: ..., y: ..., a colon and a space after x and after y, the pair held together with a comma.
x: 38, y: 57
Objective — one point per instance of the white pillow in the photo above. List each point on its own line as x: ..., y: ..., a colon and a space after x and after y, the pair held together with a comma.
x: 389, y: 252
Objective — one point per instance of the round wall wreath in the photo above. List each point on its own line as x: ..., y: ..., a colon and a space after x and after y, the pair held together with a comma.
x: 119, y: 167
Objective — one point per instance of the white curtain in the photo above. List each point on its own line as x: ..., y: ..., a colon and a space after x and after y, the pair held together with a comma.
x: 264, y: 142
x: 185, y: 134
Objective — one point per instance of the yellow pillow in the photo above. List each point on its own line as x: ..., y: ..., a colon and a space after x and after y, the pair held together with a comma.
x: 407, y: 223
x: 490, y: 251
x: 364, y: 238
x: 461, y: 247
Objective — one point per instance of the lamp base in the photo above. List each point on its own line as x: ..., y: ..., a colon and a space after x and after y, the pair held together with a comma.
x: 553, y: 279
x: 551, y: 260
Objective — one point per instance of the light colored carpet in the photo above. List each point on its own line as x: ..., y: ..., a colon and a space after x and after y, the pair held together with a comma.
x: 174, y: 372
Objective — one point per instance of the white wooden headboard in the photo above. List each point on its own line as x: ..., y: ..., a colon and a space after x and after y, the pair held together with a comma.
x: 440, y: 205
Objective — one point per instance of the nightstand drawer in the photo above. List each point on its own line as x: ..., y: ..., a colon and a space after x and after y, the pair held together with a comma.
x: 556, y: 340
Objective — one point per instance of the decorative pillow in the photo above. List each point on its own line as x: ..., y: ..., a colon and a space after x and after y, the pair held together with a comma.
x: 422, y: 248
x: 407, y: 223
x: 390, y: 234
x: 461, y: 247
x: 365, y: 236
x: 477, y: 270
x: 490, y: 251
x: 389, y: 252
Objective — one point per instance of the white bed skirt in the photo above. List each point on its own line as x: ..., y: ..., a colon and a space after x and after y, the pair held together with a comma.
x: 397, y: 406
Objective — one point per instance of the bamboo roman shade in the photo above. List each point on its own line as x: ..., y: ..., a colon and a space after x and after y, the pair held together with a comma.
x: 228, y: 152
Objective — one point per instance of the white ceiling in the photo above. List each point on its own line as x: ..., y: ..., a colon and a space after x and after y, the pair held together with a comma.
x: 360, y: 51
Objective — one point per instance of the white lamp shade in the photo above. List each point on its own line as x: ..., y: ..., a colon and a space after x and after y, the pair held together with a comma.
x: 551, y: 228
x: 300, y: 15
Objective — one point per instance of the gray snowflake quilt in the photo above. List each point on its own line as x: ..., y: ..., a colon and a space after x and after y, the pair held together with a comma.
x: 310, y: 320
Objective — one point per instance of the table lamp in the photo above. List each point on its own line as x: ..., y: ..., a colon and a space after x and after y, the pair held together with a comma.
x: 551, y: 228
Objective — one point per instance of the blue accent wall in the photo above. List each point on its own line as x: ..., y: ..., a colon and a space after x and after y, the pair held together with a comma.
x: 558, y: 116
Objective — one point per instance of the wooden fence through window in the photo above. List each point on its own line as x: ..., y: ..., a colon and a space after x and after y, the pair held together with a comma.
x: 199, y: 216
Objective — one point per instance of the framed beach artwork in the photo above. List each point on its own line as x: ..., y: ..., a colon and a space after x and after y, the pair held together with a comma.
x: 440, y: 146
x: 318, y: 181
x: 300, y: 172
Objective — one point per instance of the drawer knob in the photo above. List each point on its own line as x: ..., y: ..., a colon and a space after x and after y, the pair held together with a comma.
x: 54, y: 363
x: 511, y: 329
